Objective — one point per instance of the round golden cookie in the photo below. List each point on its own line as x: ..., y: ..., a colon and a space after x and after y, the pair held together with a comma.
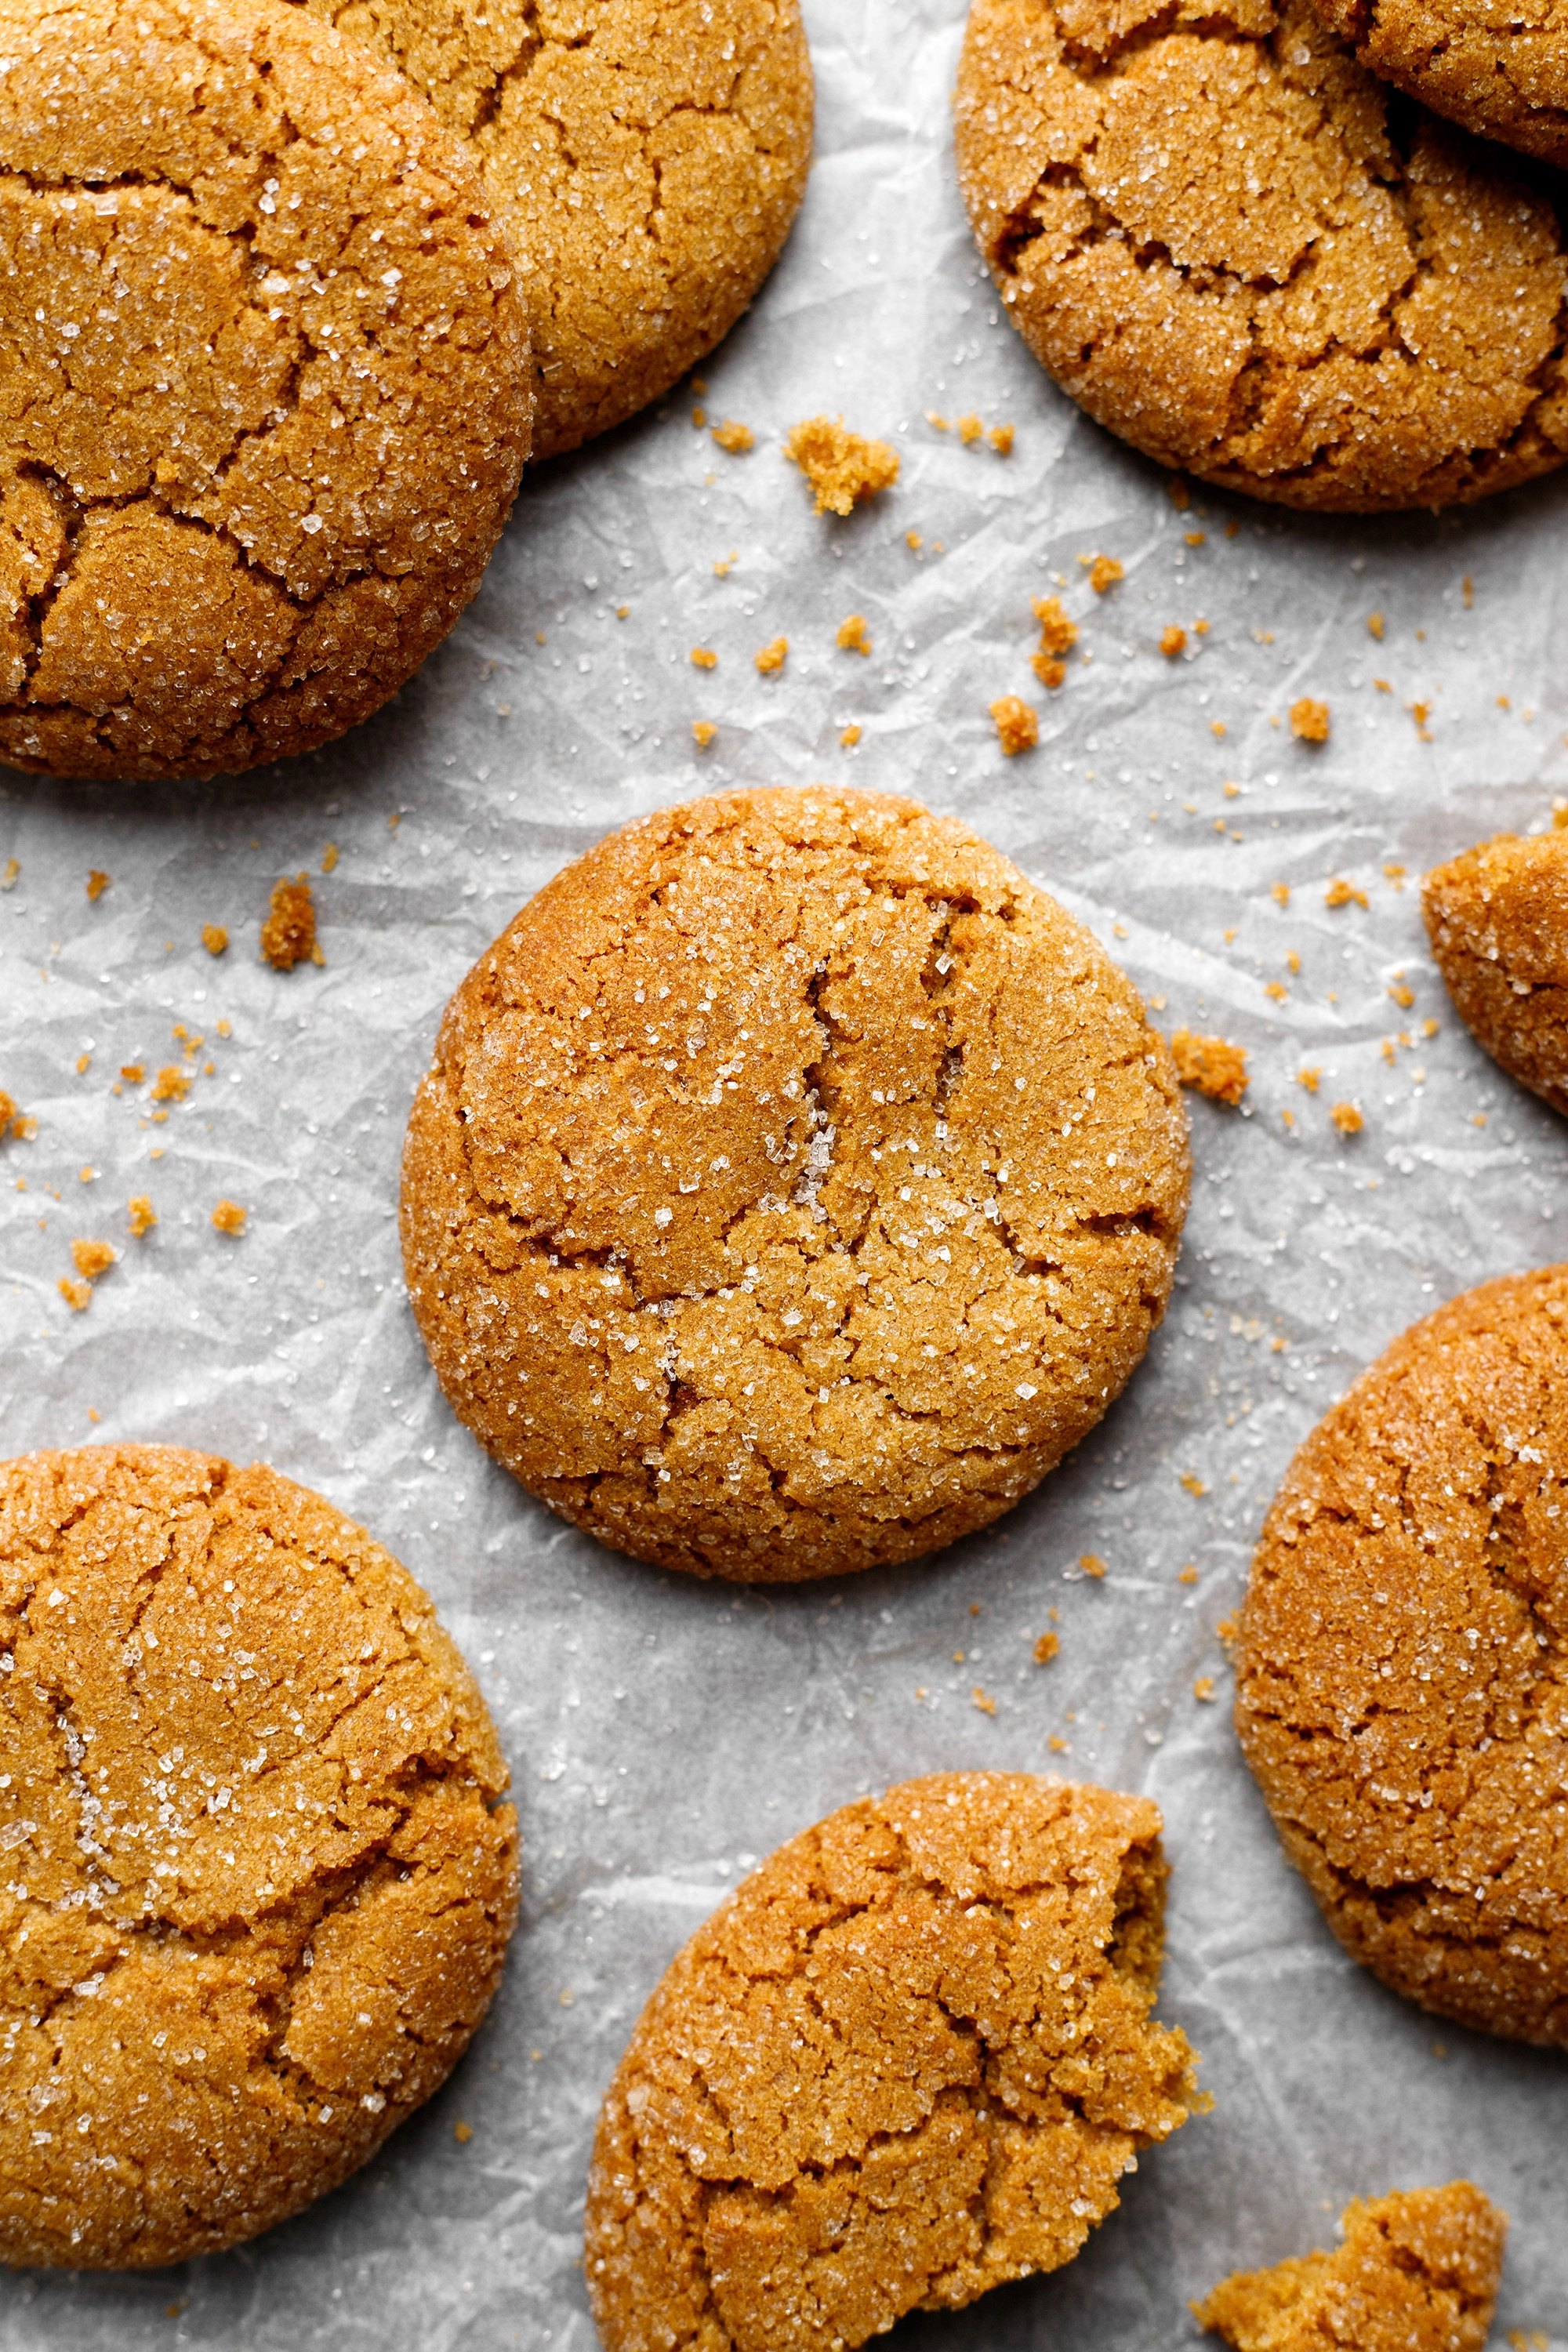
x: 651, y: 155
x: 266, y: 397
x: 1498, y: 921
x: 794, y: 1184
x: 256, y: 1887
x: 1403, y: 1666
x: 1214, y: 232
x: 908, y: 2059
x: 1499, y: 67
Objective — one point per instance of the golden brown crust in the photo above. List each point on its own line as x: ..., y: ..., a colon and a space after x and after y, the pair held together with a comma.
x: 267, y: 401
x: 1211, y: 233
x: 651, y: 154
x: 795, y: 1183
x: 908, y: 2059
x: 1498, y: 921
x: 1418, y: 2272
x: 1501, y: 67
x: 1403, y: 1671
x: 256, y: 1887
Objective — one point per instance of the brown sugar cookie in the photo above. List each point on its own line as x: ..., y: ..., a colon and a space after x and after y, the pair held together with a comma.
x: 1418, y: 2272
x: 651, y: 155
x: 266, y: 398
x: 1501, y: 69
x: 1403, y: 1665
x: 794, y: 1184
x: 1215, y: 233
x: 255, y: 1888
x: 908, y: 2059
x: 1498, y: 921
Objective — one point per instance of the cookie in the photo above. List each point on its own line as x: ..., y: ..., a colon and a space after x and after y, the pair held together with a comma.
x: 1218, y: 235
x: 651, y: 155
x: 1502, y: 72
x: 257, y: 1887
x: 1402, y: 1664
x: 266, y: 397
x: 794, y: 1184
x: 1418, y: 2272
x: 908, y: 2059
x: 1498, y: 921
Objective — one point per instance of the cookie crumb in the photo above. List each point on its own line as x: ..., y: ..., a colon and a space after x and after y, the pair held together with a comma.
x: 704, y: 658
x: 1374, y: 626
x: 772, y: 657
x: 462, y: 2134
x: 142, y: 1214
x: 841, y: 466
x: 172, y: 1084
x: 1469, y: 586
x: 1193, y: 1483
x: 1092, y: 1564
x: 705, y: 730
x: 913, y: 540
x: 228, y: 1217
x: 735, y: 438
x: 214, y: 939
x: 850, y: 738
x: 97, y: 883
x: 1017, y: 726
x: 1001, y: 439
x: 1179, y: 493
x: 1104, y: 572
x: 1189, y: 1575
x: 1347, y: 1119
x: 1281, y: 894
x: 1048, y: 1647
x: 1403, y: 994
x: 1172, y: 641
x: 77, y: 1295
x: 91, y: 1259
x: 288, y: 933
x: 1057, y: 633
x: 12, y: 874
x: 1395, y: 876
x: 329, y: 858
x: 970, y: 429
x: 1309, y: 720
x: 852, y: 637
x: 1308, y: 1078
x: 1211, y: 1065
x: 983, y: 1700
x: 1202, y: 1690
x: 1341, y: 893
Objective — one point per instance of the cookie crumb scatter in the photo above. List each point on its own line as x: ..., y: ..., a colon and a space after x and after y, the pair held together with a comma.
x: 1395, y: 876
x: 77, y: 1295
x: 1309, y: 720
x: 1341, y: 893
x: 1193, y: 1483
x: 1347, y: 1119
x: 842, y: 468
x: 91, y: 1258
x: 1212, y: 1066
x: 1375, y: 624
x: 850, y: 738
x: 772, y: 657
x: 228, y: 1217
x: 852, y: 635
x: 142, y: 1214
x: 1057, y: 637
x: 705, y: 730
x: 1048, y: 1647
x: 1104, y: 572
x: 736, y: 440
x: 983, y: 1700
x: 288, y: 933
x: 97, y: 883
x: 1421, y: 712
x: 1172, y: 641
x: 1017, y: 727
x: 1202, y: 1690
x: 704, y: 658
x: 173, y: 1084
x: 214, y: 939
x: 15, y: 1120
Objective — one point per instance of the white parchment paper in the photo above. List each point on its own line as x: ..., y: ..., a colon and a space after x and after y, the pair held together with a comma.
x: 663, y: 1735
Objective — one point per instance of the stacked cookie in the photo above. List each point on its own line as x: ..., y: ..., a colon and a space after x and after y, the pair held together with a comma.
x: 284, y: 330
x: 1228, y: 239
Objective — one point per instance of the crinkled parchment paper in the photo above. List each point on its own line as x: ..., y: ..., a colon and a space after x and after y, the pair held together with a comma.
x: 662, y: 1734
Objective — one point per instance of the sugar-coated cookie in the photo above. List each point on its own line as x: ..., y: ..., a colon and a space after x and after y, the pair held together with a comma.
x: 1215, y: 234
x: 651, y: 155
x: 1499, y: 67
x: 266, y: 394
x: 1418, y: 2270
x: 794, y: 1184
x: 257, y: 1887
x: 1498, y: 921
x: 908, y: 2059
x: 1402, y: 1675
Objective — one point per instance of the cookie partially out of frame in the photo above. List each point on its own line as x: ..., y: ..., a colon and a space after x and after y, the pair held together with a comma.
x: 1498, y: 921
x: 266, y: 394
x: 794, y: 1184
x: 1217, y: 234
x: 257, y: 1885
x: 1403, y: 1666
x: 908, y: 2059
x: 1499, y: 67
x: 651, y: 156
x: 1417, y: 2271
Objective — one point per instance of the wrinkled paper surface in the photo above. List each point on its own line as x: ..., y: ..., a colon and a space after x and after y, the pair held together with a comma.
x: 663, y: 1735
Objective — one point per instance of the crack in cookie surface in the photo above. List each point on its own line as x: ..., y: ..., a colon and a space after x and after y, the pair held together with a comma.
x: 263, y: 384
x: 794, y: 1185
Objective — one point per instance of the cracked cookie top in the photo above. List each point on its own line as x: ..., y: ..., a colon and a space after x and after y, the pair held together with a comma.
x: 263, y: 385
x: 254, y: 1885
x: 795, y: 1183
x: 908, y: 2059
x: 1418, y: 2270
x: 1216, y: 232
x: 1402, y: 1670
x: 651, y: 155
x: 1498, y: 920
x: 1499, y: 67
